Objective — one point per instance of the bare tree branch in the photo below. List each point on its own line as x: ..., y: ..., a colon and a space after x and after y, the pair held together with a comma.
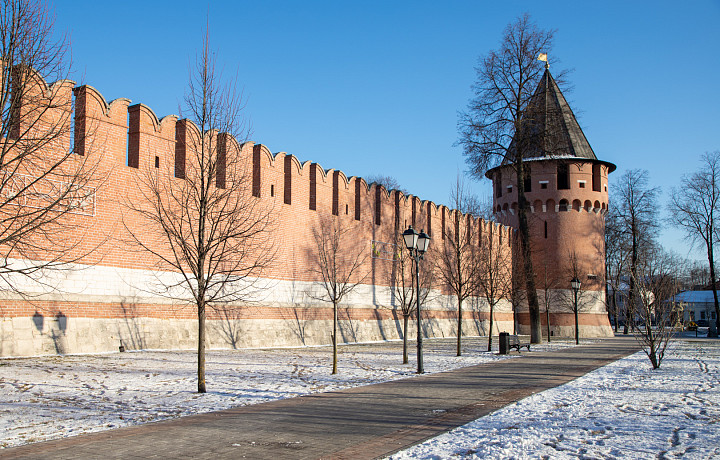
x: 494, y: 274
x: 206, y: 226
x: 497, y: 127
x: 402, y: 286
x: 338, y: 263
x: 457, y: 262
x: 572, y: 301
x: 637, y: 220
x: 694, y: 208
x: 389, y: 182
x: 655, y: 313
x: 47, y: 187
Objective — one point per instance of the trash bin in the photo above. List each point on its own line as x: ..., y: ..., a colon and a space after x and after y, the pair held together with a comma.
x: 504, y: 343
x: 712, y: 329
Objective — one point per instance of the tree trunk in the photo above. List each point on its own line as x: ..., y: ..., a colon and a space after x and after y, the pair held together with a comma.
x: 547, y: 318
x: 651, y: 341
x: 630, y: 307
x: 201, y: 348
x: 626, y: 317
x: 492, y: 308
x: 334, y: 338
x: 653, y: 357
x: 459, y: 327
x: 607, y: 296
x: 615, y: 309
x: 711, y: 262
x: 405, y: 338
x: 524, y: 229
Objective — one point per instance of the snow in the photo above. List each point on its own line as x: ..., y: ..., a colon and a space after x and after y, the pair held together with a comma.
x: 624, y: 409
x: 50, y: 397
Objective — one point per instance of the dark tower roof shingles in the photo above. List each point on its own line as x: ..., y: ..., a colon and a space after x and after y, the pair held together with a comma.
x: 550, y: 127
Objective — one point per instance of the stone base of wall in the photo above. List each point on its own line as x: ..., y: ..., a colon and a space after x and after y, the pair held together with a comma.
x: 593, y: 321
x: 23, y: 336
x: 586, y: 331
x: 95, y: 324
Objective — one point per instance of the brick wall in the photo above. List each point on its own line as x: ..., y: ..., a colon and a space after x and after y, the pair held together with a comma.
x: 124, y: 144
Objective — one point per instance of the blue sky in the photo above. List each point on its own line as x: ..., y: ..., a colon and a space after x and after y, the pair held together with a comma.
x: 374, y: 87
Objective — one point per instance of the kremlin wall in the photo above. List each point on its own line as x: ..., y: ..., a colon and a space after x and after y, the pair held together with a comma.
x: 109, y: 295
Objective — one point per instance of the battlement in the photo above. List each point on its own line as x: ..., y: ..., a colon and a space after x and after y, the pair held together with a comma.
x: 127, y: 140
x: 132, y: 135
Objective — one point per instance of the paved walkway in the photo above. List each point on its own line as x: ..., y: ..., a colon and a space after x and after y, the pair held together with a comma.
x: 365, y: 422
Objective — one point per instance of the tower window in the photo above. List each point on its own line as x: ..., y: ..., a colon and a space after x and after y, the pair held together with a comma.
x: 596, y: 178
x: 157, y: 161
x: 527, y: 181
x: 543, y: 184
x: 563, y: 176
x: 498, y: 184
x: 272, y: 190
x: 545, y: 229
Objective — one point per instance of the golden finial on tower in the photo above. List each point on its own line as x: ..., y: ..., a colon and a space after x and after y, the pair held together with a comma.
x: 543, y: 57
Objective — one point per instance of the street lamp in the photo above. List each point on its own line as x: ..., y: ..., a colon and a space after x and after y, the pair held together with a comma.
x: 417, y: 244
x: 575, y: 285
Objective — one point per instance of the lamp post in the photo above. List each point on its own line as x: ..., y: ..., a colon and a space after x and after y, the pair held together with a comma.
x: 417, y: 244
x: 575, y: 285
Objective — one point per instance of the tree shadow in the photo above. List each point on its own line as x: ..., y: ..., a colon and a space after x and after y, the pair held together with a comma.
x: 347, y: 325
x: 132, y: 337
x: 300, y: 312
x: 230, y: 324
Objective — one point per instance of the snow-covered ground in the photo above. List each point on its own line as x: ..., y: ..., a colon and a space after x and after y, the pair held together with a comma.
x: 623, y: 410
x: 50, y: 397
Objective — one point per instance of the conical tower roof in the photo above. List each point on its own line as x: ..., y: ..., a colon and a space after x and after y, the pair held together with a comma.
x: 549, y: 129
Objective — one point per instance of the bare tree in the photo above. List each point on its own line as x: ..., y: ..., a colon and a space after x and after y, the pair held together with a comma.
x: 549, y: 283
x: 483, y: 208
x: 694, y: 208
x: 698, y: 275
x: 495, y: 130
x: 402, y: 285
x: 338, y: 264
x: 45, y: 182
x: 637, y: 220
x: 494, y: 275
x: 578, y: 301
x: 457, y: 261
x: 389, y: 182
x: 656, y: 282
x: 616, y: 261
x: 202, y: 222
x: 517, y: 292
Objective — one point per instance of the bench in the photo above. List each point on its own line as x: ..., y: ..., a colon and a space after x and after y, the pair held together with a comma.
x: 516, y: 344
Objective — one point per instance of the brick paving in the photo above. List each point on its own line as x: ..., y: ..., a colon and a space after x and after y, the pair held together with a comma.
x: 365, y: 422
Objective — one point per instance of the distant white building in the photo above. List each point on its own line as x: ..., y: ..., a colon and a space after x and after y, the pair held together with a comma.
x: 697, y: 305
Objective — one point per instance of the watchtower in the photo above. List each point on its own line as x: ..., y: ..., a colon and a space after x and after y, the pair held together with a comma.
x: 566, y: 191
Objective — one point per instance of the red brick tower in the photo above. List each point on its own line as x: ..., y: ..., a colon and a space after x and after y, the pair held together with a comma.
x: 566, y: 188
